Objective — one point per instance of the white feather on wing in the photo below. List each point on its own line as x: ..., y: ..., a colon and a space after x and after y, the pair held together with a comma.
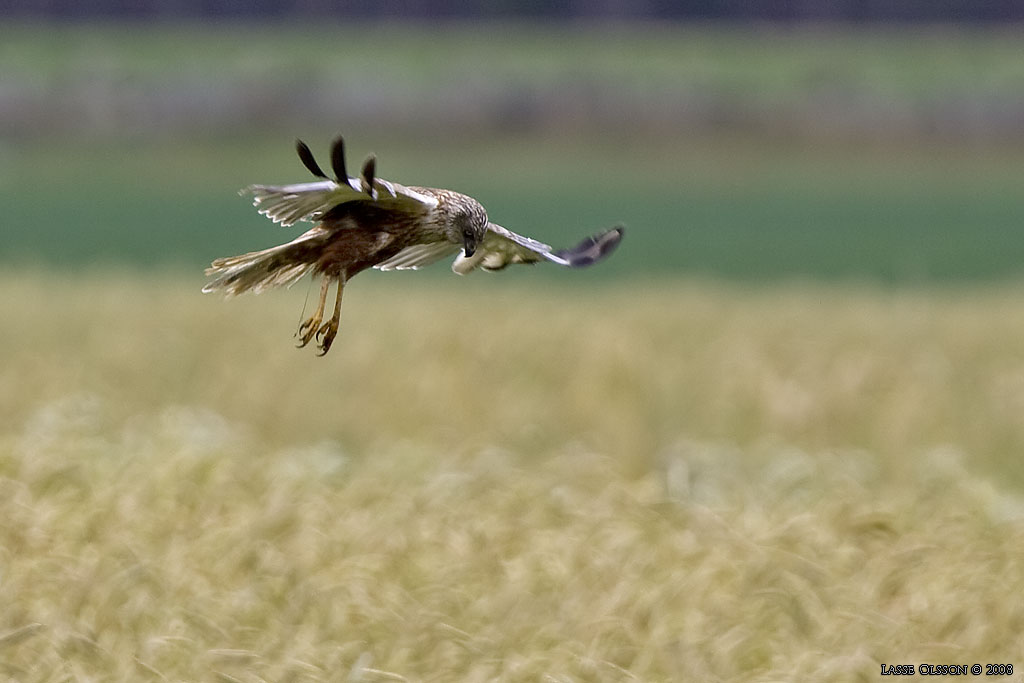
x: 288, y: 204
x: 500, y: 247
x: 418, y: 255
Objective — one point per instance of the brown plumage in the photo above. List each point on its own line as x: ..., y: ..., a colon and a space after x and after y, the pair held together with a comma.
x: 369, y: 222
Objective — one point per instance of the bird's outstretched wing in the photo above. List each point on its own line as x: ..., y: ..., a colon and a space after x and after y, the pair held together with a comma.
x: 287, y: 204
x: 501, y: 246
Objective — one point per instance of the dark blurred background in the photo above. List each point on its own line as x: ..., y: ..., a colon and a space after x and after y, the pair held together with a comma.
x: 732, y: 10
x: 843, y: 139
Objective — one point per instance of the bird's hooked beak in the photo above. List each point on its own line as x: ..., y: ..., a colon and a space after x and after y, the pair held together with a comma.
x: 469, y: 244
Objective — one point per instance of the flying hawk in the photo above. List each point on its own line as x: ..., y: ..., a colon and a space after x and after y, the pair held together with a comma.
x: 370, y: 222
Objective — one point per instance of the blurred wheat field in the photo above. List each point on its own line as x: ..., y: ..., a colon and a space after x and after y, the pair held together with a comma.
x: 489, y: 479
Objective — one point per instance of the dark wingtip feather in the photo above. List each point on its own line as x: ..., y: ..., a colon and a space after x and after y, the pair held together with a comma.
x: 369, y: 171
x: 338, y: 160
x: 307, y: 159
x: 593, y: 249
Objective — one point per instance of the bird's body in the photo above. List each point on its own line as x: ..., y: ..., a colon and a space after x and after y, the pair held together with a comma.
x: 365, y: 234
x: 381, y: 225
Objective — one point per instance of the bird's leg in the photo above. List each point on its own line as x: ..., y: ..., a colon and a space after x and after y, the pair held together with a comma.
x: 326, y: 334
x: 309, y: 327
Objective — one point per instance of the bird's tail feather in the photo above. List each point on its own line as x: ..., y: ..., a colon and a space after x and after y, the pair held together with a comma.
x: 256, y: 271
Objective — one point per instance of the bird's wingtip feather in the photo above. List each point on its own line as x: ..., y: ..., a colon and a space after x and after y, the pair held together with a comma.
x: 592, y: 249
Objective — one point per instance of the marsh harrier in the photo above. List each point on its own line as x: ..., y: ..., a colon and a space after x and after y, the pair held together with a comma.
x: 370, y: 222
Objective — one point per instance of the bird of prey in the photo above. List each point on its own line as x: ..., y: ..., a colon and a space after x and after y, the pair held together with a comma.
x: 370, y: 222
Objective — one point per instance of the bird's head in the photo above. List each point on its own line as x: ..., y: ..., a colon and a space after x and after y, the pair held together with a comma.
x: 467, y: 222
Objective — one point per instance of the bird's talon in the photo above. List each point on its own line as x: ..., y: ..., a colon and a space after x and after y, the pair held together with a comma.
x: 325, y: 336
x: 307, y: 330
